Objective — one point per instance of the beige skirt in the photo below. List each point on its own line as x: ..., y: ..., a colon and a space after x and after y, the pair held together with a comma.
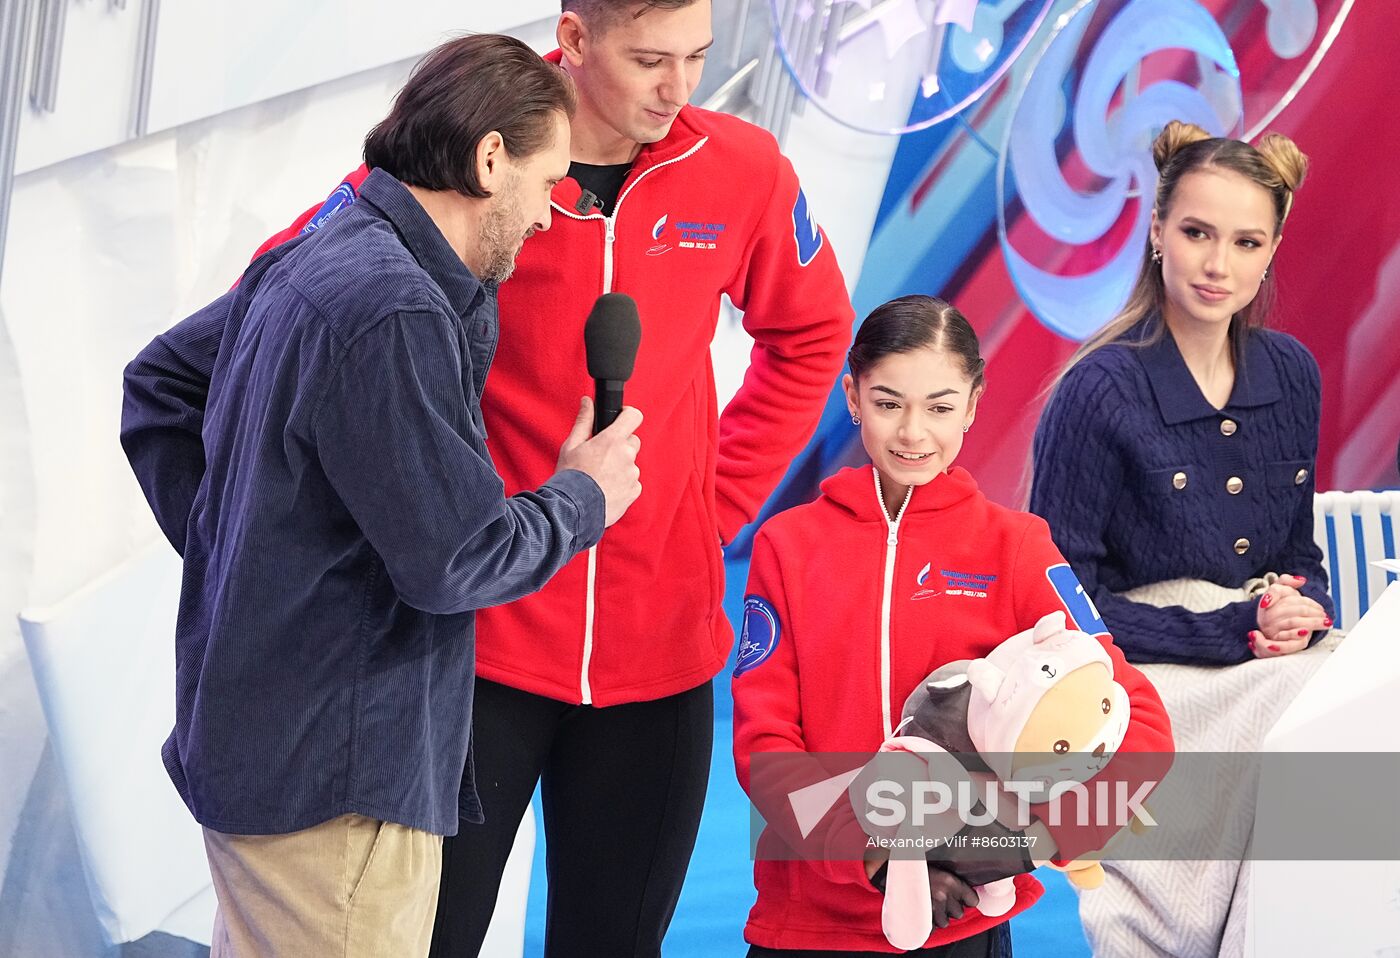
x: 1196, y: 909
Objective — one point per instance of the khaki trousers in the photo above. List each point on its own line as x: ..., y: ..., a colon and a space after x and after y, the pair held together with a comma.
x: 352, y: 887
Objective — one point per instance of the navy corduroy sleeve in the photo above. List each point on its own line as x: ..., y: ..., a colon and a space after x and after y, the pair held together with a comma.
x: 1078, y: 473
x: 400, y: 445
x: 164, y: 395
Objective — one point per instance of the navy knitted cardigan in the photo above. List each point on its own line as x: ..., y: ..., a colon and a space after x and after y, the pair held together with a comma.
x: 1142, y: 480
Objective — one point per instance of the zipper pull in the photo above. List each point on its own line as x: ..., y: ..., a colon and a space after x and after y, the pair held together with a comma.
x: 611, y: 235
x: 893, y: 538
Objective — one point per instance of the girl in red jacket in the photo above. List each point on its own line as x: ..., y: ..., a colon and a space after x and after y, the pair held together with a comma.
x: 898, y: 568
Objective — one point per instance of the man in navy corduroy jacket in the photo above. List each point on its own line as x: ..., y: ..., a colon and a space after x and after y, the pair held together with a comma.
x: 340, y: 518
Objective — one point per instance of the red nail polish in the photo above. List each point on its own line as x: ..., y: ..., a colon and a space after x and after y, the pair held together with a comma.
x: 1264, y: 602
x: 1273, y: 648
x: 1302, y: 578
x: 1302, y: 633
x: 1327, y: 622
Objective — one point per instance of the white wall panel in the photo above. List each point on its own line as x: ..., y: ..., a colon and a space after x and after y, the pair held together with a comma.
x: 105, y: 251
x: 97, y: 73
x: 214, y: 55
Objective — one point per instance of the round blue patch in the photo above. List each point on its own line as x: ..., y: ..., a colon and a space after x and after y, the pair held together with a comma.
x: 340, y: 198
x: 759, y: 636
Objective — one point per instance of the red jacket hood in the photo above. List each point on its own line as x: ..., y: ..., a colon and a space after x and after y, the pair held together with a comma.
x: 853, y: 490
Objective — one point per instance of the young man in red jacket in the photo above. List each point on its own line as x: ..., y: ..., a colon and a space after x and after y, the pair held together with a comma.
x: 600, y: 685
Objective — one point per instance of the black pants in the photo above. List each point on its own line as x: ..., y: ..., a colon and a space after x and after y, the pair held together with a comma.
x: 622, y: 790
x: 992, y: 943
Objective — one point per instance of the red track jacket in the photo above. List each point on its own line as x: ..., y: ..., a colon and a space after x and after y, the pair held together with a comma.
x: 846, y: 614
x: 712, y: 209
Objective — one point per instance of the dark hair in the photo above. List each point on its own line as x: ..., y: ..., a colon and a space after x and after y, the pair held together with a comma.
x: 916, y: 322
x: 1276, y: 165
x: 602, y: 14
x: 456, y: 95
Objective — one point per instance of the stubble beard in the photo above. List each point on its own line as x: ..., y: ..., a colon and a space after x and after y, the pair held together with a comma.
x: 500, y: 233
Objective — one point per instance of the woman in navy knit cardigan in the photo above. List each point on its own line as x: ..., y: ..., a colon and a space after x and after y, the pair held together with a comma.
x: 1175, y: 463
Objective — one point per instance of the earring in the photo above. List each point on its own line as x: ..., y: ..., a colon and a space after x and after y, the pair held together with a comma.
x: 967, y: 427
x: 1266, y: 274
x: 855, y: 420
x: 1156, y: 256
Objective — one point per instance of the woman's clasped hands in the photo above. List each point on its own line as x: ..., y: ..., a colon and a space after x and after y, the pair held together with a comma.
x: 1286, y: 618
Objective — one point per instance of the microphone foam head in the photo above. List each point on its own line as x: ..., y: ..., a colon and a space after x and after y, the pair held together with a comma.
x: 611, y: 337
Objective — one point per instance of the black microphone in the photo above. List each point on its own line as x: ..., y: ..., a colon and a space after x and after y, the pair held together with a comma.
x: 610, y: 339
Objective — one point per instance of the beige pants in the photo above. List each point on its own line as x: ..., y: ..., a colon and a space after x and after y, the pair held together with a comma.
x: 352, y: 887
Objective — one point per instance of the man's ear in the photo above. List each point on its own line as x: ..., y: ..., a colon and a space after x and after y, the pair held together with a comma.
x: 572, y: 36
x: 491, y: 161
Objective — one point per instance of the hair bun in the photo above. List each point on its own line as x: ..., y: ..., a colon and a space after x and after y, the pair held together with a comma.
x: 1173, y: 137
x: 1284, y: 158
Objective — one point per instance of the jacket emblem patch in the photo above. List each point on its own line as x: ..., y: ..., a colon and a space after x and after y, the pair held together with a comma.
x: 971, y: 585
x: 698, y: 234
x: 805, y: 230
x: 658, y: 231
x: 921, y: 579
x: 340, y: 198
x: 759, y: 636
x: 1081, y: 608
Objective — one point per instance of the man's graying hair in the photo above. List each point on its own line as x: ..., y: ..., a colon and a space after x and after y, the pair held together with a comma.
x: 460, y: 92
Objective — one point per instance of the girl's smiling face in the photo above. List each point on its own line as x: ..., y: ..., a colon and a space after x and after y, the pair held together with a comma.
x: 913, y: 409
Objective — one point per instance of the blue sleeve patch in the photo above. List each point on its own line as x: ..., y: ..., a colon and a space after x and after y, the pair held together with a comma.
x: 343, y: 196
x: 1081, y: 608
x: 759, y: 636
x: 805, y: 230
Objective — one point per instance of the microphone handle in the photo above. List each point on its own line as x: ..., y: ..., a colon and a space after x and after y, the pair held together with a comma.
x: 607, y: 403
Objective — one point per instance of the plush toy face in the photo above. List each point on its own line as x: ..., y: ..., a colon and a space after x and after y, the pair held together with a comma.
x: 1044, y: 706
x: 1074, y: 729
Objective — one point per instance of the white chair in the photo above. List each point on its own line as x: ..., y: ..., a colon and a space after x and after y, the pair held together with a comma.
x: 104, y: 664
x: 1353, y: 529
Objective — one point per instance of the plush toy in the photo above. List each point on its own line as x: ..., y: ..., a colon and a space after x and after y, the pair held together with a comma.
x: 1043, y: 708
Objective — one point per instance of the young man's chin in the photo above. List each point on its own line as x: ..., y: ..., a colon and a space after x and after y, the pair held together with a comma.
x: 654, y: 128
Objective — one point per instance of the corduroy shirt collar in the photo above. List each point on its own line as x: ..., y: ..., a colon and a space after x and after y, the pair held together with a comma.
x: 1180, y: 400
x: 425, y: 241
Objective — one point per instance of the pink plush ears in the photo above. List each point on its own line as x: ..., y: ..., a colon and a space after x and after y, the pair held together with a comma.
x: 1049, y: 626
x: 986, y: 678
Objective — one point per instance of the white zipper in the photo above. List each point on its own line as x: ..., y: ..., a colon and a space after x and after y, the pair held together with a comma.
x: 610, y: 235
x: 891, y: 547
x: 586, y: 690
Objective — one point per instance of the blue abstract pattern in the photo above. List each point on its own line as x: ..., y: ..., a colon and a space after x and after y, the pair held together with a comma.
x: 1114, y: 144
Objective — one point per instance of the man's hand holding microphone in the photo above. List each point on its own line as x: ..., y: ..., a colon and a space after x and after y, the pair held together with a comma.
x: 603, y: 443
